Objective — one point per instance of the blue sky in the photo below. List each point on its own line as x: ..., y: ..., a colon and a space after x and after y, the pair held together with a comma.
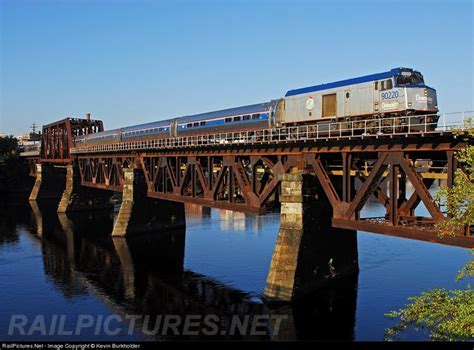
x: 129, y: 62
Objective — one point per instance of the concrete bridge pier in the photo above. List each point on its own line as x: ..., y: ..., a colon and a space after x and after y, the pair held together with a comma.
x: 309, y: 254
x: 76, y: 197
x: 50, y: 182
x: 141, y: 214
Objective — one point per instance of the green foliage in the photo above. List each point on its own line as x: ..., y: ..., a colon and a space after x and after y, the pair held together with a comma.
x: 466, y: 129
x: 459, y: 200
x: 446, y: 314
x: 467, y: 270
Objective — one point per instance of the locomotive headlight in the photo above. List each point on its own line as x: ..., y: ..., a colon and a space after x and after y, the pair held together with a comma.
x: 409, y: 104
x: 425, y: 92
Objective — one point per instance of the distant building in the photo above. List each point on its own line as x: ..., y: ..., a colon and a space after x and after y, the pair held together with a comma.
x: 28, y: 140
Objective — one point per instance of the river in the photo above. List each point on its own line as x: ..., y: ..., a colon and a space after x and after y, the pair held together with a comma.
x: 61, y: 267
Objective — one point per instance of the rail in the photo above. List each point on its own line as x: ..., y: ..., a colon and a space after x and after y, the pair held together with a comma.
x: 361, y: 129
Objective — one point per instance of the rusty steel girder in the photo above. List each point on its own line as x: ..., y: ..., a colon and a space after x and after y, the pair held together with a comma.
x: 243, y: 183
x: 245, y: 180
x: 103, y: 172
x: 57, y: 138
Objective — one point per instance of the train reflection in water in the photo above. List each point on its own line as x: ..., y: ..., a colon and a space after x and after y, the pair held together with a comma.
x: 146, y: 276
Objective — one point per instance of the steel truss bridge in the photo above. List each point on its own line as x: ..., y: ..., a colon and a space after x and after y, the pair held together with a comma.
x: 394, y: 161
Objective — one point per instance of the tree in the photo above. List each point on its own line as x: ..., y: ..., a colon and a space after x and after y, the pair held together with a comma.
x: 8, y: 146
x: 447, y: 314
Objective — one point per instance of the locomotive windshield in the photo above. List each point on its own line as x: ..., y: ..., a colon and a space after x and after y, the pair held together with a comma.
x: 409, y: 78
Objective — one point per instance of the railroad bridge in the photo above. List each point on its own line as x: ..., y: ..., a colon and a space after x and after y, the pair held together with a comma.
x: 322, y: 181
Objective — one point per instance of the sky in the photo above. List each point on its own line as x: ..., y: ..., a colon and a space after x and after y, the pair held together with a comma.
x: 130, y: 62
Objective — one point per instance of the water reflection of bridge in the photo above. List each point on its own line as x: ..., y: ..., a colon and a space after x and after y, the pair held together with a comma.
x: 145, y: 276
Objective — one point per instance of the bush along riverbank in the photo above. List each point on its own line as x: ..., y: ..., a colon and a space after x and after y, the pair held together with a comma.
x: 14, y: 178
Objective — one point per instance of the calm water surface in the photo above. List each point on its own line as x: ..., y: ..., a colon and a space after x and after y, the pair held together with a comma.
x: 69, y: 265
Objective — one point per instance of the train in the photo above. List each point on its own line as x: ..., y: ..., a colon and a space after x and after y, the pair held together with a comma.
x: 398, y: 94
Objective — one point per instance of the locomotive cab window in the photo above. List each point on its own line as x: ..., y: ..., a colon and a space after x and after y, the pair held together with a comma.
x: 386, y: 85
x: 409, y: 78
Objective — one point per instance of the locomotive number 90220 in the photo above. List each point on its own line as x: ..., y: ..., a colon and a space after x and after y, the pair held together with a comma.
x: 389, y: 95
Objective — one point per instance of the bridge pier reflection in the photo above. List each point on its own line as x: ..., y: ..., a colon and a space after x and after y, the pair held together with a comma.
x: 145, y: 276
x: 44, y: 215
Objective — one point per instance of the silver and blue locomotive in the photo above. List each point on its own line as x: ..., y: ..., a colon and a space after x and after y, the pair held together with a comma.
x: 396, y: 93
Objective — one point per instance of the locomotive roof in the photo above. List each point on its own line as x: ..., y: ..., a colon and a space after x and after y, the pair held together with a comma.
x: 364, y: 79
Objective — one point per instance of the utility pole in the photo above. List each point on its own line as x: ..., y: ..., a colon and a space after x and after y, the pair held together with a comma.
x: 33, y: 128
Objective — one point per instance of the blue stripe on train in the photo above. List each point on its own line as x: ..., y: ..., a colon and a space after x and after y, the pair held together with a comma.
x: 364, y: 79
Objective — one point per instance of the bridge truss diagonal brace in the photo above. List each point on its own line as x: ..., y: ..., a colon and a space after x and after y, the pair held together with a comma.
x: 399, y: 168
x: 102, y: 172
x: 379, y: 194
x: 368, y: 187
x: 408, y: 206
x: 395, y: 161
x: 420, y: 188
